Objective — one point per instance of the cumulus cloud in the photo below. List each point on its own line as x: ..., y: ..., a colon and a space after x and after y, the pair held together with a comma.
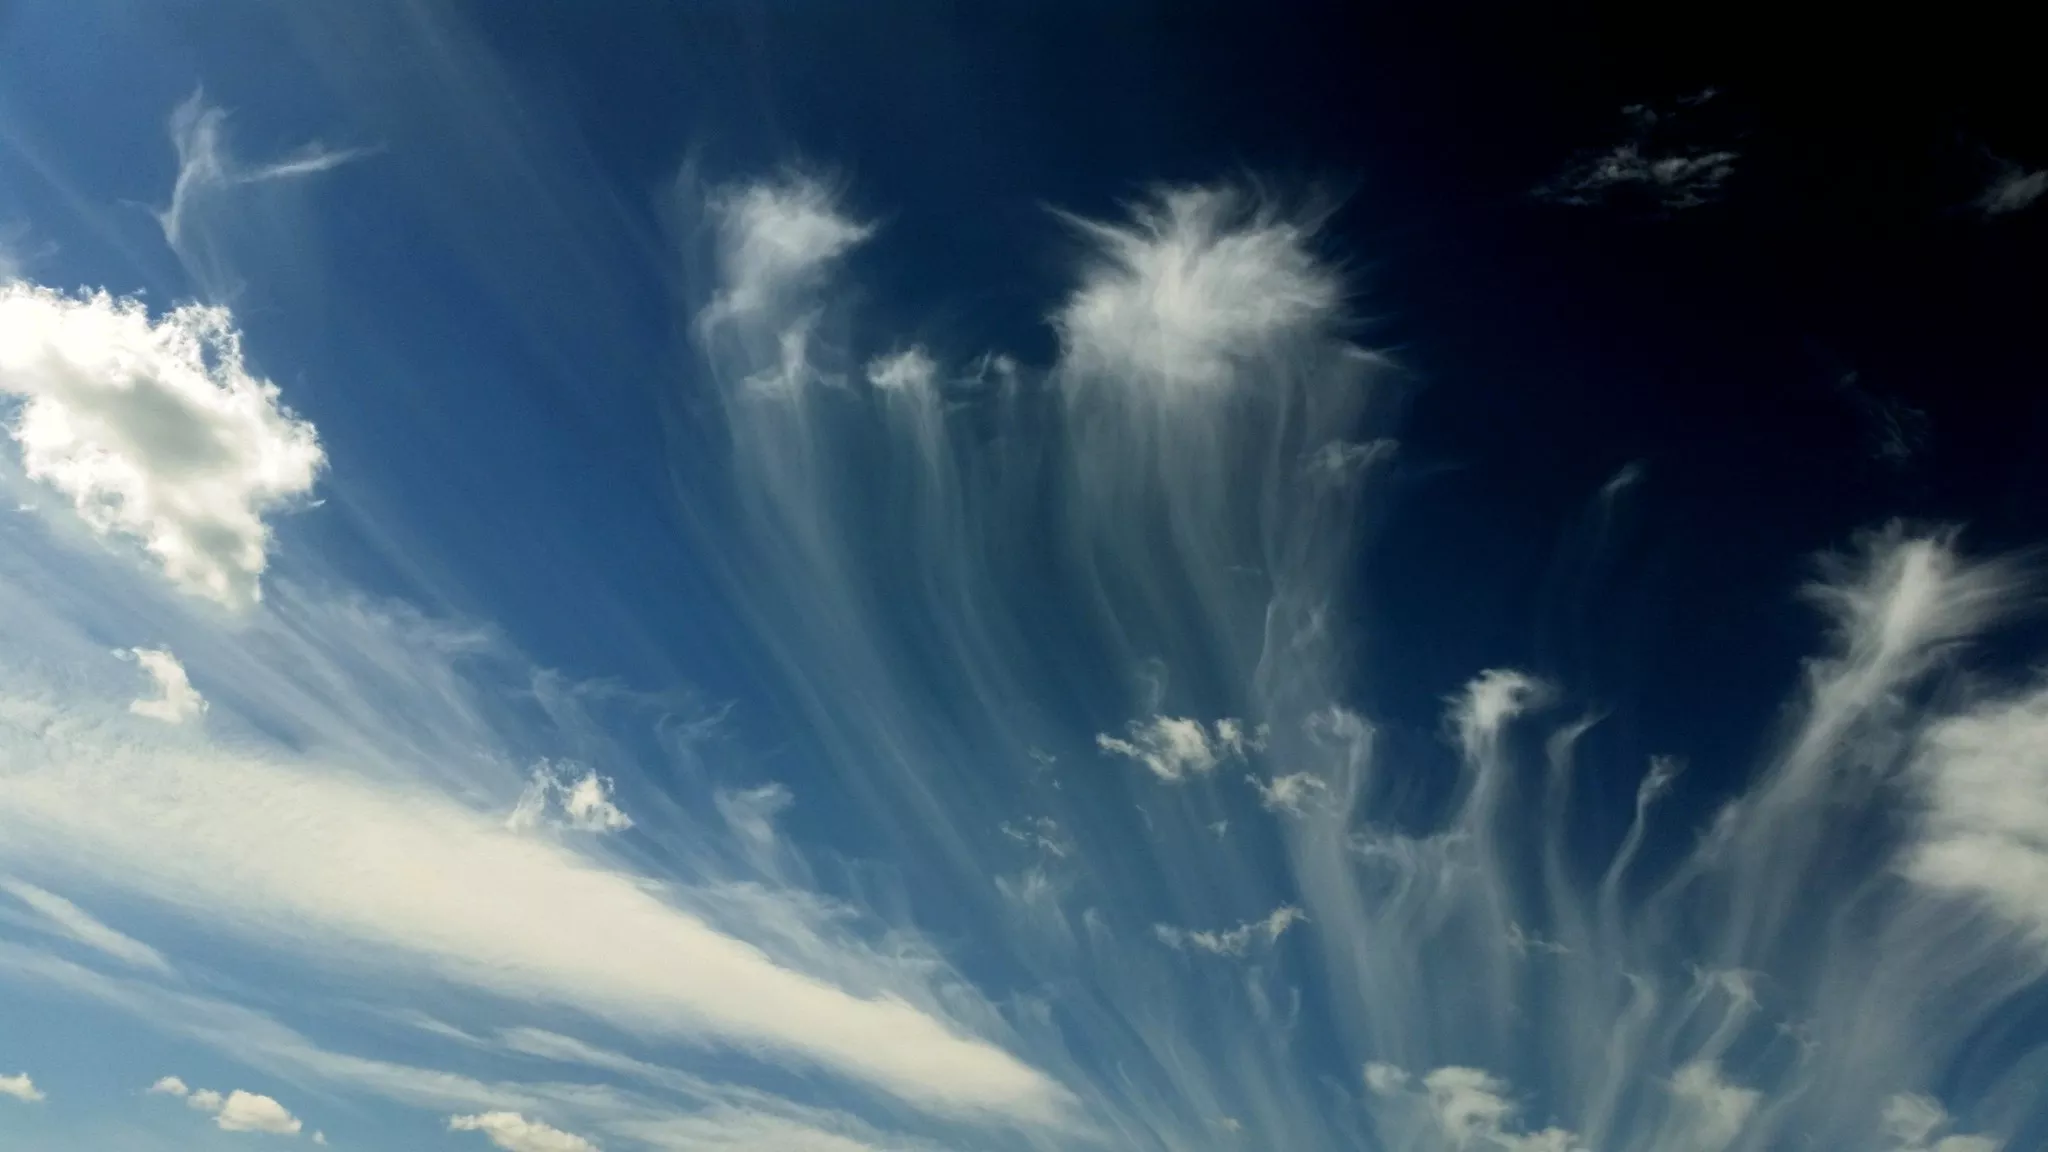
x: 20, y: 1087
x: 1235, y: 941
x: 1461, y: 1108
x: 154, y: 430
x: 1645, y: 165
x: 238, y: 1111
x: 558, y: 795
x: 1911, y: 1121
x: 515, y: 1133
x: 250, y: 1112
x: 2013, y: 189
x: 911, y: 370
x: 75, y: 923
x: 1200, y: 281
x: 1175, y: 748
x: 175, y: 700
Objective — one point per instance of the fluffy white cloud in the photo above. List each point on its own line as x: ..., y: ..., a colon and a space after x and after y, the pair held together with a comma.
x: 1201, y: 281
x: 1710, y: 1112
x: 250, y: 1112
x: 155, y: 431
x: 1911, y: 1122
x: 1984, y: 831
x: 910, y: 370
x: 20, y: 1087
x: 559, y: 796
x: 238, y: 1111
x: 515, y: 1133
x: 175, y: 700
x: 1293, y: 793
x: 775, y: 240
x: 1459, y: 1108
x: 77, y: 924
x: 1175, y: 748
x: 1235, y: 941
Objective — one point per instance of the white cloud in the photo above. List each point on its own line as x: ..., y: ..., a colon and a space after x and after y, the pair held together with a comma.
x: 320, y: 860
x: 20, y: 1087
x: 582, y: 803
x: 205, y: 1100
x: 1712, y: 1111
x: 1911, y: 1122
x: 1385, y: 1079
x: 909, y: 370
x: 775, y: 241
x: 175, y: 701
x: 250, y: 1112
x: 207, y: 165
x: 1493, y: 698
x: 1984, y: 830
x: 170, y: 1086
x: 77, y: 924
x: 1175, y: 748
x: 2013, y: 189
x: 515, y: 1133
x: 155, y: 431
x: 1462, y: 1109
x: 1670, y: 176
x: 1235, y: 941
x: 1202, y: 281
x: 1293, y: 793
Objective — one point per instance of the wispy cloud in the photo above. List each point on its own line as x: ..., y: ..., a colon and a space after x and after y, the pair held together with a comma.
x: 75, y: 923
x: 1175, y: 748
x: 1234, y: 941
x: 1647, y: 165
x: 2013, y: 189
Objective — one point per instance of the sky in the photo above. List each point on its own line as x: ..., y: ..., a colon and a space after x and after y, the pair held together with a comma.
x: 831, y: 578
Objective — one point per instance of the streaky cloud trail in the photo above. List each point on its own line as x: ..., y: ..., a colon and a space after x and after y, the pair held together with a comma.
x: 1168, y: 514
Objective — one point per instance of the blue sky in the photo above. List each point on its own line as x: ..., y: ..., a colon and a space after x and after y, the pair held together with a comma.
x: 798, y: 576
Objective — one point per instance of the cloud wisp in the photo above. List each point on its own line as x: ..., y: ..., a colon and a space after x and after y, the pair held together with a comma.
x: 1646, y: 166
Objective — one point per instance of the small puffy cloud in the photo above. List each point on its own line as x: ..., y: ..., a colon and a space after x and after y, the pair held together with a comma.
x: 1384, y: 1079
x: 75, y: 923
x: 1714, y: 1110
x: 1984, y: 828
x: 1294, y: 793
x: 238, y: 1111
x: 1175, y: 748
x: 776, y: 239
x: 557, y: 795
x: 911, y: 370
x: 1198, y: 282
x: 1645, y: 166
x: 515, y: 1133
x: 250, y: 1112
x: 20, y: 1087
x: 1466, y: 1109
x: 155, y: 431
x: 1488, y: 702
x: 175, y: 700
x: 1236, y: 941
x: 2012, y: 189
x: 1911, y: 1122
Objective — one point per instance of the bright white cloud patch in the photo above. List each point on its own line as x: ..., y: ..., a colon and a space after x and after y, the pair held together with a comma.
x: 250, y: 1112
x: 559, y: 795
x: 317, y: 859
x: 70, y: 920
x: 1984, y: 831
x: 911, y: 370
x: 515, y: 1133
x: 175, y: 700
x: 237, y: 1111
x: 1202, y: 280
x: 1914, y: 1123
x: 1294, y: 793
x: 1175, y: 748
x: 20, y: 1087
x: 1236, y: 941
x: 1460, y: 1108
x: 154, y: 430
x: 775, y: 240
